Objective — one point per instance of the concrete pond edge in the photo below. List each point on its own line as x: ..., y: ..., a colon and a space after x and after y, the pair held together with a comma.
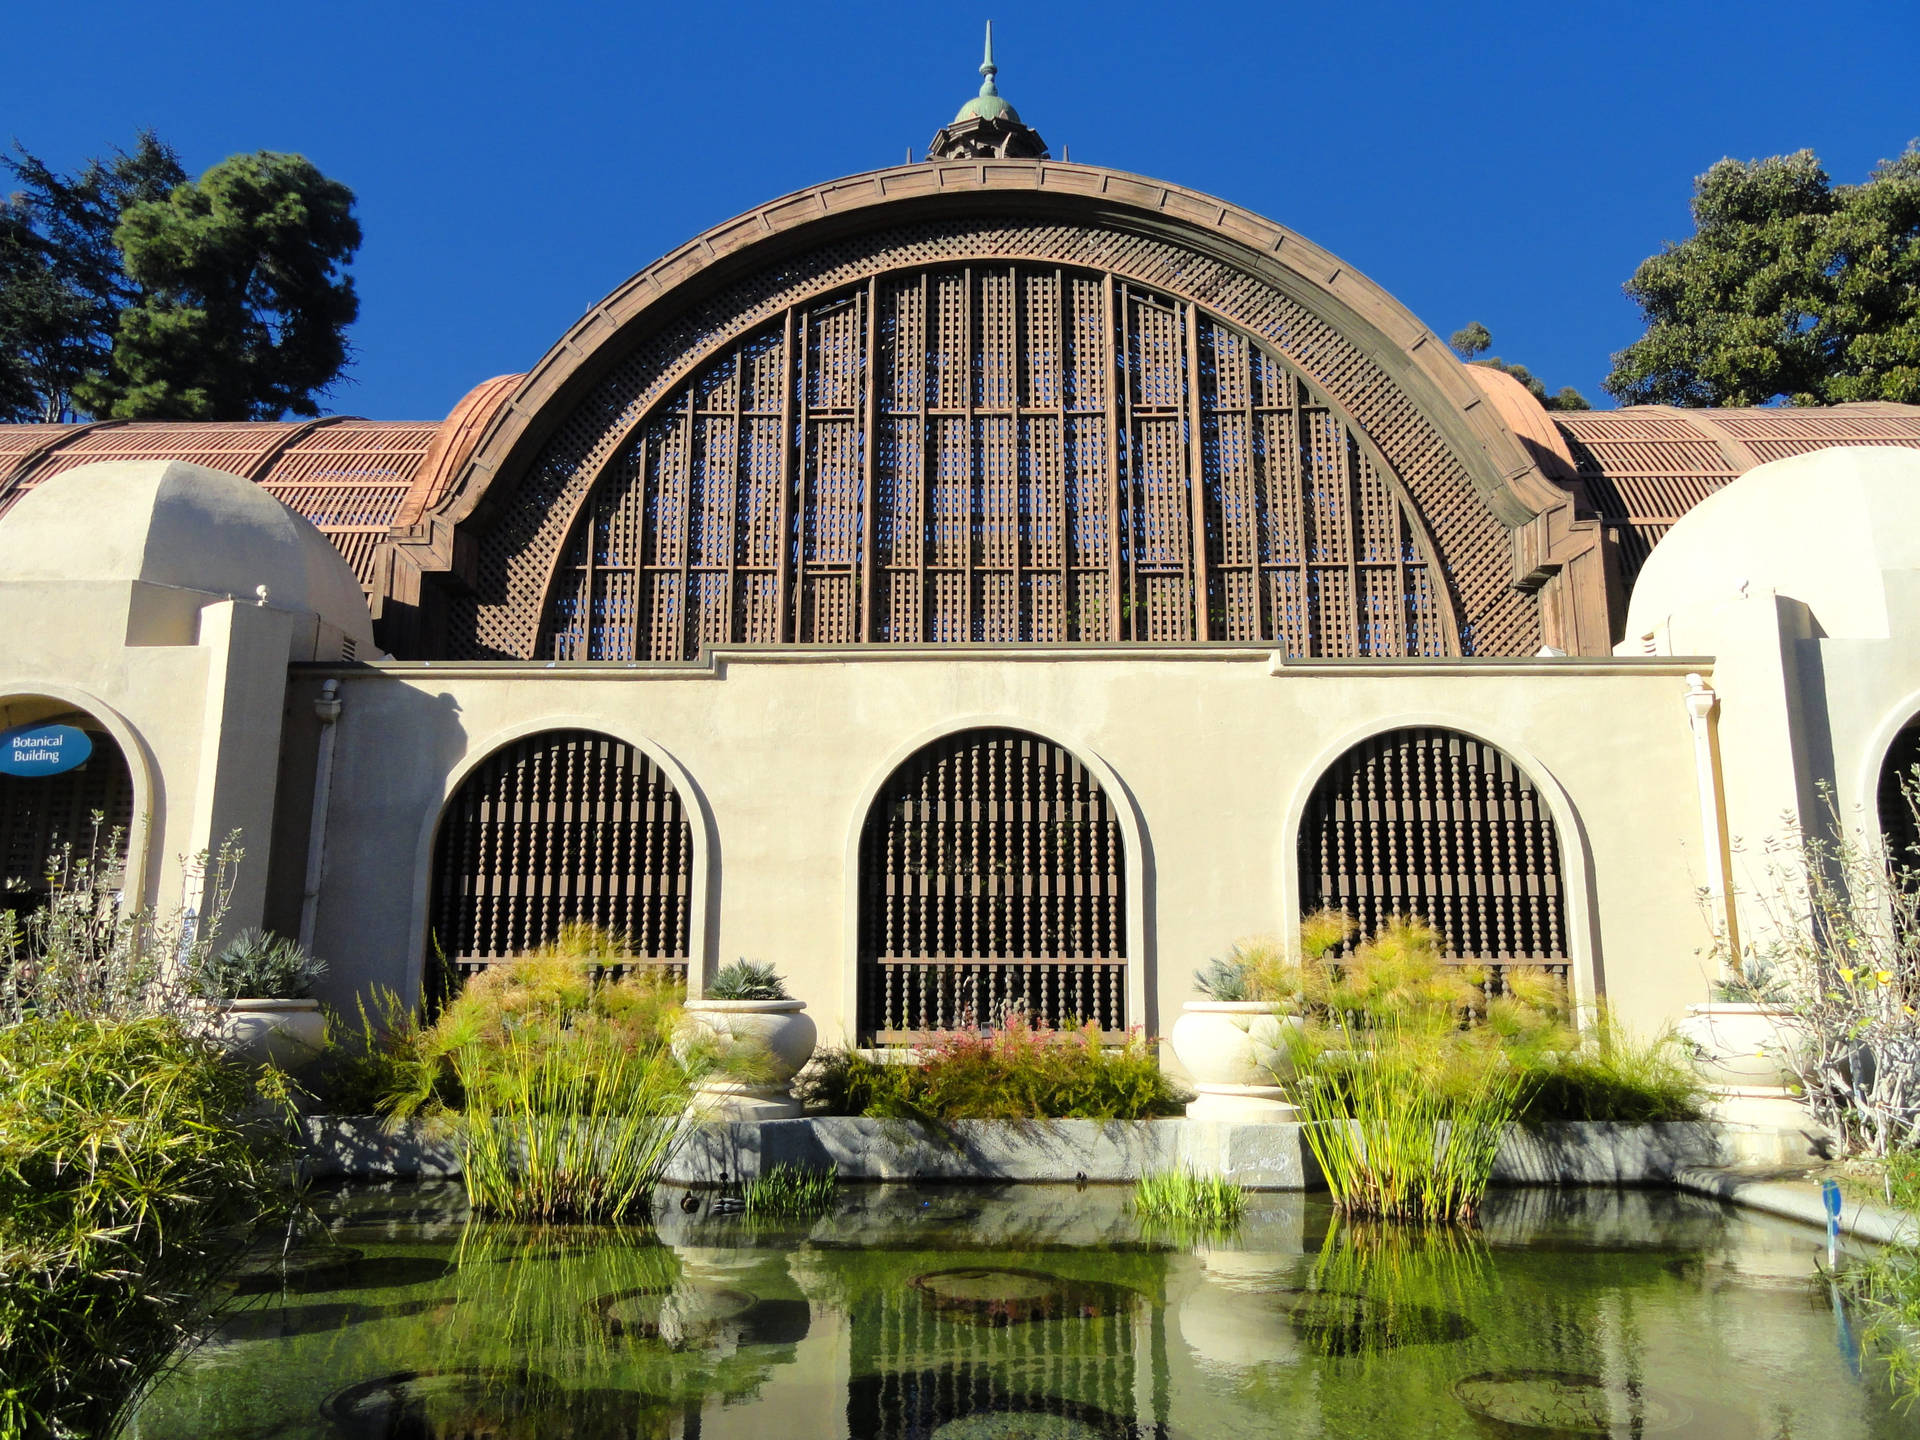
x: 1706, y: 1157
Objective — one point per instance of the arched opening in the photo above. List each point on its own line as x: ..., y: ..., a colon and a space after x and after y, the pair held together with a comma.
x: 992, y: 884
x: 563, y: 827
x: 1899, y: 824
x: 53, y: 818
x: 1432, y: 823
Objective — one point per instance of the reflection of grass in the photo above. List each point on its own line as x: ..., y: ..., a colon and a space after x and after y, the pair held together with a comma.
x: 1413, y: 1283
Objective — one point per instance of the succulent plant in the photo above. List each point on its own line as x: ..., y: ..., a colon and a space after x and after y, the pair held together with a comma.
x: 259, y: 965
x: 747, y: 980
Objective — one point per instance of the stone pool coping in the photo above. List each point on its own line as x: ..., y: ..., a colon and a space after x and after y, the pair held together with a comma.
x: 1795, y: 1198
x: 1260, y: 1157
x: 1706, y: 1157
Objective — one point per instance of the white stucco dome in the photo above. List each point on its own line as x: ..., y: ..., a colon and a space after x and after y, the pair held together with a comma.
x: 166, y: 522
x: 1825, y: 528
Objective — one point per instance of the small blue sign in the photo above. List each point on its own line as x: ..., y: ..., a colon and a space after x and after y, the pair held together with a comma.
x: 1830, y: 1197
x: 33, y: 752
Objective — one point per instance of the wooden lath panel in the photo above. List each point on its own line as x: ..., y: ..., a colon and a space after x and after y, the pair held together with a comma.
x: 992, y: 879
x: 937, y: 396
x: 1439, y: 825
x: 563, y: 827
x: 998, y: 454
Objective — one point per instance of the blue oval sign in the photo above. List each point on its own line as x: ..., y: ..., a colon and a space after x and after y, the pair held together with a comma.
x: 36, y: 751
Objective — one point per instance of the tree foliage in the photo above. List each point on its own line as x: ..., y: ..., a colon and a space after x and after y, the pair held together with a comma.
x: 1790, y: 288
x: 244, y: 298
x: 62, y: 285
x: 129, y: 291
x: 1474, y: 340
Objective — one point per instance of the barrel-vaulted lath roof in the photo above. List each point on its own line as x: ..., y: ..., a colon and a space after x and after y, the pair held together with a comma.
x: 1643, y: 468
x: 990, y: 399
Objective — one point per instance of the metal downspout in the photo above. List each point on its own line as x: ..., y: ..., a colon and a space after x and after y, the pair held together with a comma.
x: 327, y: 708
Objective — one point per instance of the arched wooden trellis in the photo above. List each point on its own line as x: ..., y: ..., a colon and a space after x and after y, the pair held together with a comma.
x: 1432, y: 823
x: 996, y: 453
x: 45, y: 822
x: 992, y: 883
x: 563, y: 827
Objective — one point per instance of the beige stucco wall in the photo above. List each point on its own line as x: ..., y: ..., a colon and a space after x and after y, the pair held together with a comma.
x: 1215, y: 750
x: 1802, y: 578
x: 117, y: 597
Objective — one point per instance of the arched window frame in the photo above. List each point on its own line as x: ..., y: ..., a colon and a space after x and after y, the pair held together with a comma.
x: 695, y: 813
x: 786, y: 567
x: 1585, y: 967
x: 1141, y: 967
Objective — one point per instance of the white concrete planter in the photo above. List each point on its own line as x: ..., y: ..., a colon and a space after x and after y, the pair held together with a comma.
x: 1237, y: 1053
x: 284, y: 1033
x: 773, y: 1038
x: 1742, y: 1046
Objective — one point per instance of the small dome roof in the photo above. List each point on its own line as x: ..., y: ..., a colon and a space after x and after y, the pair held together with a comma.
x: 1824, y: 528
x: 166, y: 522
x: 988, y: 105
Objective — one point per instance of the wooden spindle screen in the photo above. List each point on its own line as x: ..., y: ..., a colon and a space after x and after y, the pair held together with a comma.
x: 992, y: 882
x: 567, y: 826
x: 42, y: 820
x: 996, y: 453
x: 1439, y: 825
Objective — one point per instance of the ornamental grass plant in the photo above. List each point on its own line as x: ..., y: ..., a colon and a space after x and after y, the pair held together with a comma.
x: 561, y: 1087
x: 1019, y: 1072
x: 1189, y: 1200
x: 786, y: 1191
x: 136, y: 1163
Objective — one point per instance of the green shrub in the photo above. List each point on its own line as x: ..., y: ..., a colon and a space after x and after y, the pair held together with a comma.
x: 1611, y: 1075
x: 129, y: 1183
x: 747, y: 980
x: 1016, y: 1073
x: 791, y: 1191
x: 1188, y: 1198
x: 258, y: 965
x: 1258, y: 968
x: 375, y: 1063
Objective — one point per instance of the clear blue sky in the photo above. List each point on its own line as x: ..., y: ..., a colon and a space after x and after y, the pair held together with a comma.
x: 1495, y: 162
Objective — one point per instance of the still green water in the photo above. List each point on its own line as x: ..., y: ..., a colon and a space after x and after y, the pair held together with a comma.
x: 1037, y: 1312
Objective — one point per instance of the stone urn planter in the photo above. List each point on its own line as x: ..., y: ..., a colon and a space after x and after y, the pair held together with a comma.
x: 769, y: 1041
x: 1236, y: 1052
x: 283, y: 1033
x: 1744, y: 1046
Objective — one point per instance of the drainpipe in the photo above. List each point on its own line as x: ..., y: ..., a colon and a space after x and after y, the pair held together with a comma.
x: 1702, y: 708
x: 327, y: 709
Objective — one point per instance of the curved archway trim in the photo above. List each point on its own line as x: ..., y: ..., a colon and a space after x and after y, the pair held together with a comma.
x: 702, y: 891
x: 1134, y: 850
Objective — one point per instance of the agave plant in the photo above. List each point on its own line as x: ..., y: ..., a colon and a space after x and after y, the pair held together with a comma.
x: 747, y: 980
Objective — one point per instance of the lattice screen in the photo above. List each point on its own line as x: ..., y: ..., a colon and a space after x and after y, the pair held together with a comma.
x: 1436, y: 824
x: 564, y: 826
x: 992, y: 878
x: 39, y: 817
x: 995, y: 453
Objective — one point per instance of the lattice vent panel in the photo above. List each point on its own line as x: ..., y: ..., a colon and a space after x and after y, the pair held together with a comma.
x: 995, y: 453
x: 564, y: 827
x: 1435, y: 824
x: 43, y: 821
x: 1020, y: 318
x: 992, y: 880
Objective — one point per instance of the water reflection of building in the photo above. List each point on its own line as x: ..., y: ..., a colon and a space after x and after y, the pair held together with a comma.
x: 1026, y: 575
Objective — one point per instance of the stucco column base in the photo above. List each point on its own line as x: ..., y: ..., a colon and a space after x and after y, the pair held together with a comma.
x: 728, y: 1100
x: 1243, y: 1105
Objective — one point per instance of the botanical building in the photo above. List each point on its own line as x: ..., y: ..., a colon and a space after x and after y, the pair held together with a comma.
x: 984, y: 583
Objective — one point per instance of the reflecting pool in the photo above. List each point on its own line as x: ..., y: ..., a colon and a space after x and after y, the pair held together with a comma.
x: 1032, y: 1313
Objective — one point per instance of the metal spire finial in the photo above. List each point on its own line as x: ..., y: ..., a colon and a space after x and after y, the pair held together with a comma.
x: 987, y: 67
